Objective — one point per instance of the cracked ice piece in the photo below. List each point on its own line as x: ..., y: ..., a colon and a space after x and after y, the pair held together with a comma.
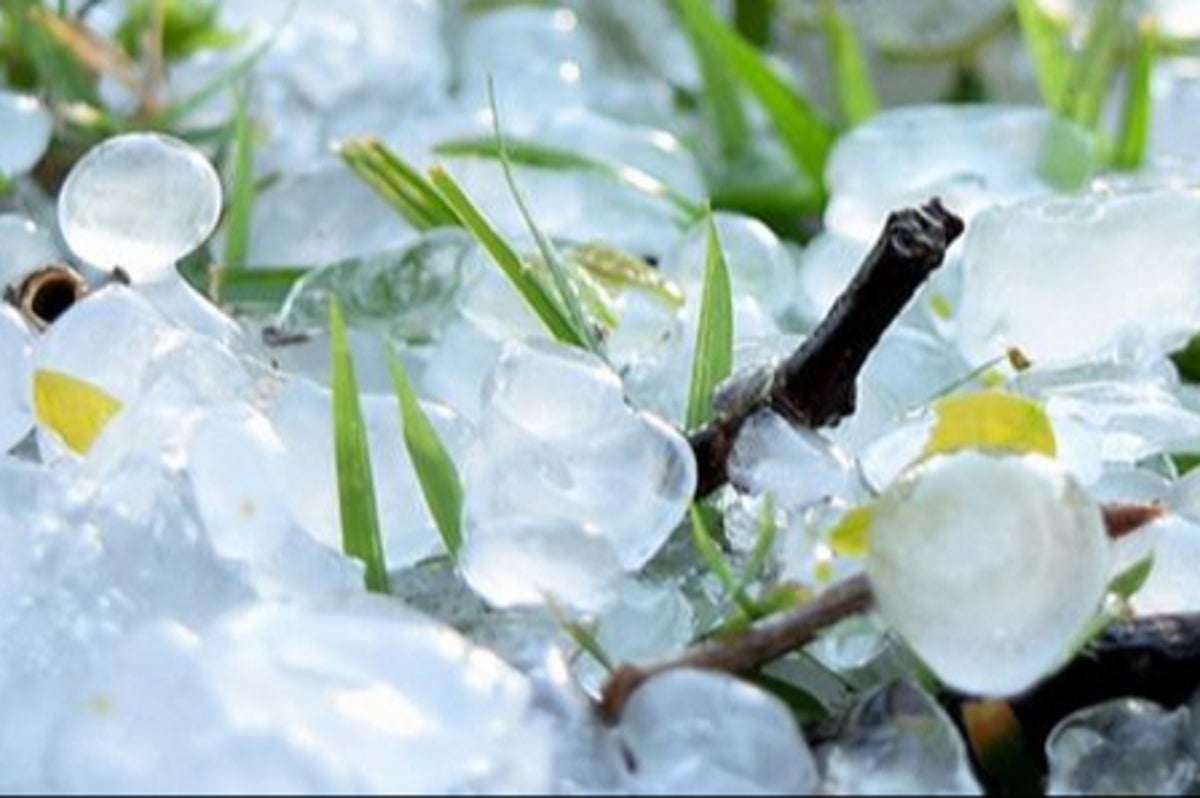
x: 1025, y: 266
x: 1127, y: 746
x: 989, y: 566
x: 691, y: 731
x: 141, y: 201
x: 898, y: 741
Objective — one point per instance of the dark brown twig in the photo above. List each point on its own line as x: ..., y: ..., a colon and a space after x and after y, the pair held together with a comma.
x: 815, y: 386
x: 787, y: 631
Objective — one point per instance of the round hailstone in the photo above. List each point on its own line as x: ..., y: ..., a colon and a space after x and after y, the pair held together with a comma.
x: 27, y: 128
x: 141, y: 202
x: 989, y: 566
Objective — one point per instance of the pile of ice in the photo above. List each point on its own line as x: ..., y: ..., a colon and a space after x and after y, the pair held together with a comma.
x: 176, y: 611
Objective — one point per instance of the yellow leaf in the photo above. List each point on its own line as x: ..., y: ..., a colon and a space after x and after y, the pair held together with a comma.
x: 990, y: 420
x: 851, y: 537
x: 78, y: 411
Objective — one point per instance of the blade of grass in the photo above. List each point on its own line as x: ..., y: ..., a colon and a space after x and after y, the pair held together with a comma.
x: 540, y: 299
x: 1047, y: 49
x: 568, y: 292
x: 716, y: 562
x: 1091, y: 71
x: 581, y: 635
x: 857, y: 100
x: 543, y: 156
x: 806, y: 135
x: 180, y: 109
x: 753, y: 19
x: 440, y: 484
x: 356, y: 492
x: 241, y: 198
x: 256, y: 287
x: 398, y: 182
x: 713, y: 358
x: 1136, y: 115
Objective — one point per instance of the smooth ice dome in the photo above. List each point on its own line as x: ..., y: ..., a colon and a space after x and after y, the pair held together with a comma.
x: 691, y: 731
x: 27, y: 127
x: 1072, y: 278
x: 141, y: 201
x: 971, y: 156
x: 989, y: 566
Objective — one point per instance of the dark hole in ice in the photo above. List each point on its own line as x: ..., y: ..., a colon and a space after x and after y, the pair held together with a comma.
x: 53, y: 298
x: 47, y: 294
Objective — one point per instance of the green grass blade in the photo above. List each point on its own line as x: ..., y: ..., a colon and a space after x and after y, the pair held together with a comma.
x: 1091, y: 71
x: 620, y: 270
x: 543, y: 156
x: 356, y: 491
x: 713, y: 359
x: 583, y: 637
x: 753, y: 19
x: 435, y: 468
x: 180, y: 109
x: 1046, y: 47
x: 857, y: 100
x: 1136, y: 115
x: 241, y: 202
x: 542, y: 301
x: 399, y: 183
x: 568, y: 291
x: 245, y: 288
x: 806, y: 135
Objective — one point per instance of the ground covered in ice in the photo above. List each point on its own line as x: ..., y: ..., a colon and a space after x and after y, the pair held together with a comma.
x: 202, y: 588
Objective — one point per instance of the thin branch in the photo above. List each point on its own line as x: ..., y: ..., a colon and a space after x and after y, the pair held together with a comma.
x: 815, y: 386
x: 787, y: 631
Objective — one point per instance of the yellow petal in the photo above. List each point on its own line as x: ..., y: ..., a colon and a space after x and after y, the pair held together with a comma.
x: 78, y: 411
x: 851, y: 537
x: 991, y: 420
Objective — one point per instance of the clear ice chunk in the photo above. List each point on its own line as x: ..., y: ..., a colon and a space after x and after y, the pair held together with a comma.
x: 898, y: 741
x: 27, y: 127
x: 703, y: 732
x: 16, y: 412
x: 24, y: 247
x: 989, y: 566
x: 1023, y: 263
x: 972, y: 156
x: 1127, y: 746
x: 141, y: 201
x: 798, y: 467
x: 342, y: 696
x: 557, y: 442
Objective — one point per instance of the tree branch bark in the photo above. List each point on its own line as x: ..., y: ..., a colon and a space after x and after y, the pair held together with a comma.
x: 815, y: 386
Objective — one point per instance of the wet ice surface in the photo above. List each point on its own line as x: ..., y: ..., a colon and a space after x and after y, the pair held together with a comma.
x: 1125, y: 747
x: 142, y: 202
x: 970, y: 519
x: 898, y: 741
x: 176, y: 583
x: 675, y: 729
x: 27, y: 127
x: 1020, y: 261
